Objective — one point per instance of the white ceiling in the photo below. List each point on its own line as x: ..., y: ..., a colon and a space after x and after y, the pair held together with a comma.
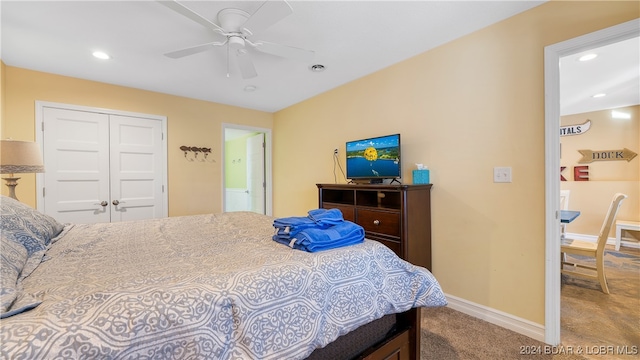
x: 614, y: 72
x: 350, y: 38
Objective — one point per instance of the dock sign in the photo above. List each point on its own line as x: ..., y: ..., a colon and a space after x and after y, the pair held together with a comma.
x: 589, y: 156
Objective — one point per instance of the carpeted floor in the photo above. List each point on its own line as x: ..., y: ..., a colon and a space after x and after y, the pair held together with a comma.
x: 599, y: 326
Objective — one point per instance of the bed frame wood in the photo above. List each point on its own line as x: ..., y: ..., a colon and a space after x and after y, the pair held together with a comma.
x: 399, y: 216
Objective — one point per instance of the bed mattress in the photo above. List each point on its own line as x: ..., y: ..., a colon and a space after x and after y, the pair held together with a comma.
x: 206, y: 286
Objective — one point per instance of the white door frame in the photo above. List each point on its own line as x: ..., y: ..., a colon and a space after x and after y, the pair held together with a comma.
x: 255, y: 143
x: 267, y: 164
x: 39, y: 117
x: 552, y: 55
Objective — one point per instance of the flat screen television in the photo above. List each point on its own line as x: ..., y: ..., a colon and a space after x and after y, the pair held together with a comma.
x: 374, y: 159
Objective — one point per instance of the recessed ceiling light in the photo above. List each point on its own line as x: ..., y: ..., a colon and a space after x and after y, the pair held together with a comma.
x: 250, y: 88
x: 317, y: 68
x: 101, y: 55
x: 599, y: 95
x: 587, y: 57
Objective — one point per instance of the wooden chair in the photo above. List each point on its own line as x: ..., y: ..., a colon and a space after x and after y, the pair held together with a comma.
x: 595, y: 250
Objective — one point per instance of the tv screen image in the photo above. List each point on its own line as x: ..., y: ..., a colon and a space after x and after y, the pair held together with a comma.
x: 374, y: 158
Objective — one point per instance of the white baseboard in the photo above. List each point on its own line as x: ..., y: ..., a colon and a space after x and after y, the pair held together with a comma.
x: 497, y: 317
x: 508, y: 321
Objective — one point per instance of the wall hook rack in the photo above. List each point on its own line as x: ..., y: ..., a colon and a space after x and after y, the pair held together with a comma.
x: 191, y: 153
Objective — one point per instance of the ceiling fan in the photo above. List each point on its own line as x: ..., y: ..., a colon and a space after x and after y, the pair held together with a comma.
x: 239, y: 27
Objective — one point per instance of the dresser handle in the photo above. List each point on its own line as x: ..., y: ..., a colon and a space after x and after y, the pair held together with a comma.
x: 376, y: 222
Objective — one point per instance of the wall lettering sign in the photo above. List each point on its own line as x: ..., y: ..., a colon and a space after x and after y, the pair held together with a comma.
x: 575, y: 129
x: 581, y: 173
x: 589, y: 156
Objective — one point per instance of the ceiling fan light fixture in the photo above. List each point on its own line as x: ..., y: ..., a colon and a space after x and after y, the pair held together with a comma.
x: 317, y: 68
x: 237, y: 26
x: 236, y: 42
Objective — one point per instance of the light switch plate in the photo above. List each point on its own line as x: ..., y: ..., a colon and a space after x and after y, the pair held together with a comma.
x: 502, y: 174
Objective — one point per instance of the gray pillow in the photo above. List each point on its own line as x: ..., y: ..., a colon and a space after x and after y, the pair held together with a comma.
x: 26, y: 225
x: 13, y: 258
x: 26, y: 234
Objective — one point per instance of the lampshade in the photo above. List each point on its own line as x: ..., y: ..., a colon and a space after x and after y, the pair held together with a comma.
x: 18, y: 157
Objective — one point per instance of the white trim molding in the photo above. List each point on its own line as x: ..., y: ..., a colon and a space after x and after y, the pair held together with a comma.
x: 552, y: 55
x: 268, y: 163
x: 497, y: 317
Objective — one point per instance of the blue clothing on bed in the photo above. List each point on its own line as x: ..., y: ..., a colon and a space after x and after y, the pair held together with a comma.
x: 322, y: 229
x: 318, y: 218
x: 314, y: 239
x: 326, y: 217
x: 291, y: 225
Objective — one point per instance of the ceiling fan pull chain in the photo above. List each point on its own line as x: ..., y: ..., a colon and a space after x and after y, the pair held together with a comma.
x: 228, y: 61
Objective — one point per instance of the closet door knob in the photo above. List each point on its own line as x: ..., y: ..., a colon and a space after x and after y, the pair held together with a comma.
x: 103, y: 203
x: 115, y: 202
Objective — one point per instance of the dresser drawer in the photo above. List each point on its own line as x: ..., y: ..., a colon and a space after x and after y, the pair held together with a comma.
x: 381, y: 222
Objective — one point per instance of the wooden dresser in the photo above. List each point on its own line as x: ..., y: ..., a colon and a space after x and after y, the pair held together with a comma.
x: 398, y: 216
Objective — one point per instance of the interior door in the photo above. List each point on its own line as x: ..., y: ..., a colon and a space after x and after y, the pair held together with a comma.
x: 76, y: 161
x: 102, y: 167
x: 255, y: 172
x: 136, y: 161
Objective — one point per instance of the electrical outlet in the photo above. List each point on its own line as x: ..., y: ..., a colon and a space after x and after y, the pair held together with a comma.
x: 502, y: 174
x: 335, y: 151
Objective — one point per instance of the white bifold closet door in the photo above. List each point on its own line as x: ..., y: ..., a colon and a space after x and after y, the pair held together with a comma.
x: 102, y: 167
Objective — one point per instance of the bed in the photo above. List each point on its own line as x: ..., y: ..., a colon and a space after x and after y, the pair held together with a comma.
x: 212, y: 286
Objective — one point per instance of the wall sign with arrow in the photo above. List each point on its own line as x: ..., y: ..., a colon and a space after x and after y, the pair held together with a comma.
x: 589, y: 156
x: 575, y: 129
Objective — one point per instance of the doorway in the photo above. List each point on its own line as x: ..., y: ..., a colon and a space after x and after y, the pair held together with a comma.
x: 247, y: 169
x: 552, y: 55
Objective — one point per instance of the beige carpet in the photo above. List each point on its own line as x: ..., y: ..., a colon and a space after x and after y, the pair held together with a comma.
x: 593, y: 318
x: 449, y: 334
x: 590, y: 320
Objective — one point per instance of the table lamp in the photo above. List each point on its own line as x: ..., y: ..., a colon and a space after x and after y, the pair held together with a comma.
x: 19, y: 157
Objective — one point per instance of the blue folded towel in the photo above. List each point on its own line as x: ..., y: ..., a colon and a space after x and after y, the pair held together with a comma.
x: 291, y: 225
x: 322, y: 229
x: 326, y: 217
x: 316, y: 239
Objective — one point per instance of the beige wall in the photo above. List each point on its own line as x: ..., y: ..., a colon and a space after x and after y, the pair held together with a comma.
x: 462, y: 108
x: 592, y: 198
x: 194, y: 187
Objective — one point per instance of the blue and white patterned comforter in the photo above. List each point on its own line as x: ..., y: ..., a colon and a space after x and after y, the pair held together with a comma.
x: 200, y: 287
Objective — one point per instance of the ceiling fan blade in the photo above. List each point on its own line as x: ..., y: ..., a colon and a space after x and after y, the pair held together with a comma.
x: 185, y: 11
x: 245, y: 64
x: 269, y: 13
x: 192, y: 50
x: 285, y: 51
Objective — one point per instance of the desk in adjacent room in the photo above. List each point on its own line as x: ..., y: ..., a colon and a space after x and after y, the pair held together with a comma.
x: 567, y: 216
